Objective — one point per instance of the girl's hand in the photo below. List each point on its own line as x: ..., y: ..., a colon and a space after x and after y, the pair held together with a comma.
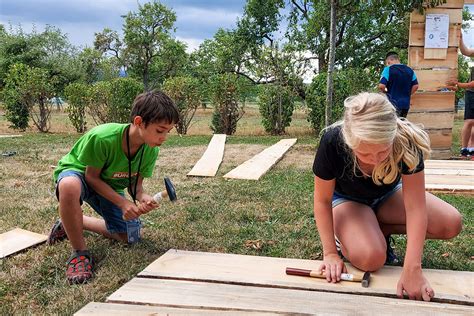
x: 147, y: 203
x: 414, y: 284
x: 332, y: 266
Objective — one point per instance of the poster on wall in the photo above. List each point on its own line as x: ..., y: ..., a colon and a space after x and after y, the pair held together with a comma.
x: 436, y: 31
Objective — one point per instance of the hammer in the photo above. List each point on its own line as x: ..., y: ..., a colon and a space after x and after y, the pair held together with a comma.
x: 169, y: 192
x: 364, y: 280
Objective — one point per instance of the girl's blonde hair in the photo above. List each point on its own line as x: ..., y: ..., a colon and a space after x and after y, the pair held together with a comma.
x: 371, y: 118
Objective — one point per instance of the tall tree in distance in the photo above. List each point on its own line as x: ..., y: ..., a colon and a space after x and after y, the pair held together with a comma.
x: 332, y: 57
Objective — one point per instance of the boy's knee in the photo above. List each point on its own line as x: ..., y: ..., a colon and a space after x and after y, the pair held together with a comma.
x: 69, y: 188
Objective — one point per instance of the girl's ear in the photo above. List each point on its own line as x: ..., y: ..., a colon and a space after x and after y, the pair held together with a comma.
x: 137, y: 120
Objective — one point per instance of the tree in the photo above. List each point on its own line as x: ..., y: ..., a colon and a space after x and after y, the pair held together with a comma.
x: 77, y: 95
x: 332, y: 58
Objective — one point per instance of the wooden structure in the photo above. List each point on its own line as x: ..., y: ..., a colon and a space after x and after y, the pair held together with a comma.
x: 449, y: 176
x: 434, y: 67
x: 259, y: 164
x: 210, y: 161
x: 18, y: 239
x: 197, y: 283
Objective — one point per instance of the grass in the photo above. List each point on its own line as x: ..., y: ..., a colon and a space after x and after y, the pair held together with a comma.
x: 271, y: 217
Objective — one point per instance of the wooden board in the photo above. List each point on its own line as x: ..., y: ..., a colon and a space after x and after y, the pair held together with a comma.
x: 440, y: 138
x: 112, y: 309
x: 10, y: 136
x: 434, y: 80
x: 454, y: 4
x: 416, y: 59
x: 231, y: 297
x: 417, y: 34
x: 455, y: 15
x: 258, y: 165
x: 18, y: 239
x: 441, y: 153
x: 432, y: 101
x: 436, y: 120
x: 449, y: 164
x: 435, y: 53
x: 210, y: 161
x: 450, y: 172
x: 450, y: 286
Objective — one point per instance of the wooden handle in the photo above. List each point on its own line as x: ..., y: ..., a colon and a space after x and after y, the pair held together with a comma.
x: 315, y: 274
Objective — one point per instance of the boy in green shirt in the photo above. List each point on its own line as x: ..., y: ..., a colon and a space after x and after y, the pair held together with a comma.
x: 102, y: 163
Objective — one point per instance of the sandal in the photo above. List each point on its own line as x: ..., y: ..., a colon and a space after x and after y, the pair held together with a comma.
x: 57, y: 233
x: 79, y: 267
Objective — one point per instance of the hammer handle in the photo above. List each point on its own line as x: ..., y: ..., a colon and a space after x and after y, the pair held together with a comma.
x: 316, y: 274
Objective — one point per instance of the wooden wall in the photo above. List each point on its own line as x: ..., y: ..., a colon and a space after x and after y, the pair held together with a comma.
x: 434, y: 67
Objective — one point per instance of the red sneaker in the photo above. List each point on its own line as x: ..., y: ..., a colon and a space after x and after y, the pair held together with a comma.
x: 57, y: 233
x: 79, y: 267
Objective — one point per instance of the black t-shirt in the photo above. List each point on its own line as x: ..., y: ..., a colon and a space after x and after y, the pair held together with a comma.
x: 334, y: 161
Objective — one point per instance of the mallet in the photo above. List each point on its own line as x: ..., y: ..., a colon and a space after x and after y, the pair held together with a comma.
x: 364, y: 280
x: 169, y: 192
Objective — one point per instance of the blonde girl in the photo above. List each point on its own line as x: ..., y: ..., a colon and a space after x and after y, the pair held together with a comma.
x: 359, y: 200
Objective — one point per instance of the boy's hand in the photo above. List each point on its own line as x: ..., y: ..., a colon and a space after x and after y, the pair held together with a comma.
x: 147, y: 203
x: 332, y: 266
x: 130, y: 210
x: 414, y: 284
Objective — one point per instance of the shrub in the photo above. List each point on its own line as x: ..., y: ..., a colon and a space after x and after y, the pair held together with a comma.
x: 77, y: 95
x: 185, y: 93
x: 276, y: 104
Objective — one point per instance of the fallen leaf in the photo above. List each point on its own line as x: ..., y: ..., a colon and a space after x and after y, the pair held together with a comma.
x: 445, y: 255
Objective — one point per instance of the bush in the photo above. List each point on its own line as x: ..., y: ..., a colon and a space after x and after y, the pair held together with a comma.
x: 346, y: 83
x: 77, y: 95
x: 276, y: 105
x: 185, y: 93
x: 16, y: 112
x: 224, y: 95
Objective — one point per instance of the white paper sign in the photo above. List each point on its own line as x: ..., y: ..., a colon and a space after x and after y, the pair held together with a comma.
x: 436, y: 31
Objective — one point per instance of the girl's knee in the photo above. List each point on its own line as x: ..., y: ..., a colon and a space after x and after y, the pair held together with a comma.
x: 449, y: 226
x: 368, y: 259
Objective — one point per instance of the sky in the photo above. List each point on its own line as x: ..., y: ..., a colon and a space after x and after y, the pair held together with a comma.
x: 196, y: 20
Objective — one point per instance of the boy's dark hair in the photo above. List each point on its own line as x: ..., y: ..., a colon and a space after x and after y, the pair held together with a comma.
x: 392, y: 55
x: 154, y: 106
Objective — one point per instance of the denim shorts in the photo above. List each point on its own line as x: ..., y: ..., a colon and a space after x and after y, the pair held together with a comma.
x: 110, y: 212
x: 374, y: 204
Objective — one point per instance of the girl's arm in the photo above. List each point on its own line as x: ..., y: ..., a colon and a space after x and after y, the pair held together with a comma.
x: 332, y: 263
x: 412, y: 280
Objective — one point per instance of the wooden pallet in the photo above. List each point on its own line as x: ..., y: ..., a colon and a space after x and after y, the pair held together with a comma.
x: 210, y: 161
x: 259, y: 164
x: 449, y: 176
x: 197, y: 283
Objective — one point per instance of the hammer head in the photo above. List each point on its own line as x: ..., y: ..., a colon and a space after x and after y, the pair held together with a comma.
x: 365, y: 279
x: 170, y: 189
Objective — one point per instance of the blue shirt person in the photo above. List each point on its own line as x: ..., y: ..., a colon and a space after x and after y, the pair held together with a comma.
x: 399, y: 82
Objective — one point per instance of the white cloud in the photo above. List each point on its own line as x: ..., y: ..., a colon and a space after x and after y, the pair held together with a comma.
x: 192, y: 43
x: 207, y: 16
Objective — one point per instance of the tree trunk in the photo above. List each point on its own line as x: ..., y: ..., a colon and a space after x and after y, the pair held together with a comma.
x: 332, y: 57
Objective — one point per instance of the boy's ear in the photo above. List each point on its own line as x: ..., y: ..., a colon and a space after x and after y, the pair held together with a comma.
x: 137, y: 120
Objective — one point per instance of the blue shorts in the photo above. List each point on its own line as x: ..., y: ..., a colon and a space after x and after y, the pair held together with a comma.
x: 110, y: 212
x: 374, y: 204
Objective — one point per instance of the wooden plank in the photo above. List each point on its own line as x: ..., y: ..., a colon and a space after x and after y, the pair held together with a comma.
x: 18, y: 239
x: 450, y: 180
x: 441, y: 153
x: 432, y: 101
x: 10, y: 136
x: 449, y: 164
x: 210, y: 161
x: 417, y: 34
x: 455, y: 15
x: 449, y: 286
x: 453, y: 4
x: 435, y: 53
x: 429, y: 120
x: 258, y: 165
x: 434, y: 80
x: 113, y: 309
x: 416, y: 59
x: 468, y: 2
x: 189, y: 294
x: 452, y: 172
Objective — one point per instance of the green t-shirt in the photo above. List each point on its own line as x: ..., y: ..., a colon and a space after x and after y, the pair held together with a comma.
x: 101, y: 148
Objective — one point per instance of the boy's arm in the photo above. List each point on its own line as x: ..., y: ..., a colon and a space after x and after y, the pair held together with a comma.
x: 384, y: 80
x: 464, y: 49
x: 92, y: 175
x: 412, y: 280
x: 382, y: 88
x: 414, y: 88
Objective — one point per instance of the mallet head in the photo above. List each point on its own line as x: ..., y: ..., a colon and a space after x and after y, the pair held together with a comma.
x: 365, y: 279
x: 170, y: 190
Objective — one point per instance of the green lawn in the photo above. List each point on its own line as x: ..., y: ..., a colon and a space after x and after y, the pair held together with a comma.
x: 270, y: 217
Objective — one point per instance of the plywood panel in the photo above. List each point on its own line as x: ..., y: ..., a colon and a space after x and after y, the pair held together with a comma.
x: 435, y: 53
x: 440, y: 138
x: 417, y: 34
x: 432, y: 119
x: 451, y: 172
x: 449, y: 164
x: 258, y: 165
x: 441, y: 153
x: 416, y: 59
x: 432, y: 101
x: 210, y: 161
x: 455, y: 15
x: 434, y: 80
x: 18, y: 239
x: 188, y: 294
x: 453, y: 286
x: 113, y: 309
x: 10, y: 136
